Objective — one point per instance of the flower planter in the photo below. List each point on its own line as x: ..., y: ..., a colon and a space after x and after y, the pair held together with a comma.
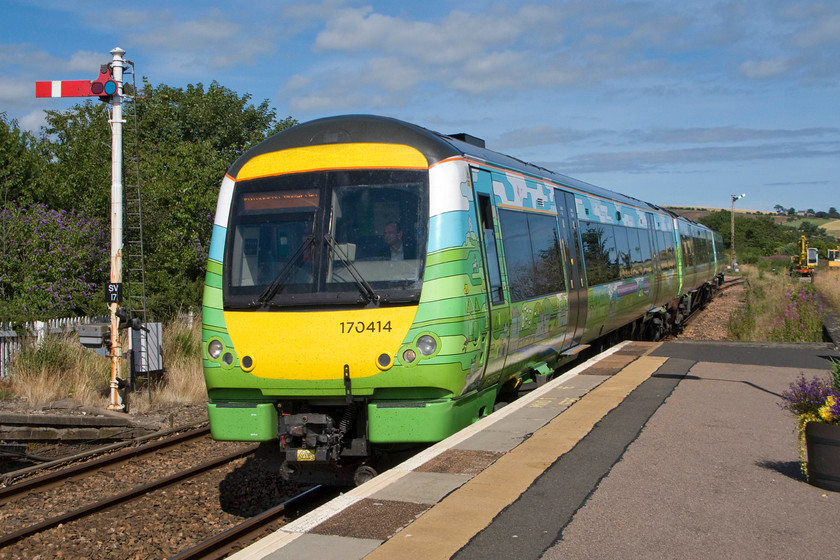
x: 823, y: 444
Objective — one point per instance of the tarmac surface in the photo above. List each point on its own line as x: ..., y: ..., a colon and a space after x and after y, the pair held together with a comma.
x: 674, y: 450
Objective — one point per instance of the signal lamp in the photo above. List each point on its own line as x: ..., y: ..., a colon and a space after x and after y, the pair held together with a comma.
x: 409, y: 356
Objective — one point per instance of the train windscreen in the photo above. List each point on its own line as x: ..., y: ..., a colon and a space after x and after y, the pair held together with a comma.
x: 327, y: 238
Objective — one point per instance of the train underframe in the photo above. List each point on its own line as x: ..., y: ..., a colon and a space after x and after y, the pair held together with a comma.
x: 325, y: 442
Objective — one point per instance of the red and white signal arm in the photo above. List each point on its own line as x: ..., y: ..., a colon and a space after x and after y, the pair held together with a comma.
x: 104, y: 86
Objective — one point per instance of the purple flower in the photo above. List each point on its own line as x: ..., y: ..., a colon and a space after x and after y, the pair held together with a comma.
x: 806, y: 395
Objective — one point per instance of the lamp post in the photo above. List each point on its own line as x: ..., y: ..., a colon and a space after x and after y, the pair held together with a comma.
x: 732, y: 262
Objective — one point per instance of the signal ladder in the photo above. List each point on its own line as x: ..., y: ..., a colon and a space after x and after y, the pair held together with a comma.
x: 144, y: 344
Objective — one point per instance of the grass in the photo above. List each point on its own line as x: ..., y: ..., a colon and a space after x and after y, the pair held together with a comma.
x: 777, y: 308
x: 56, y: 369
x: 819, y: 222
x: 827, y: 283
x: 832, y: 228
x: 61, y: 368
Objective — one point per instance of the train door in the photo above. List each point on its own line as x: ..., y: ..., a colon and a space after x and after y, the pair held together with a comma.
x: 567, y: 217
x: 490, y: 238
x: 656, y: 279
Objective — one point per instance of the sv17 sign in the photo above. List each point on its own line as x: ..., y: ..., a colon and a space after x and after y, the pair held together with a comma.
x: 113, y: 293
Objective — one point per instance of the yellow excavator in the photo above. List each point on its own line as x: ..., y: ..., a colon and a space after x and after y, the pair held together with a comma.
x: 806, y: 261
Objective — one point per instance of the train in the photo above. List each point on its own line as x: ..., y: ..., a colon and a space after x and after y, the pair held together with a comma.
x: 373, y: 286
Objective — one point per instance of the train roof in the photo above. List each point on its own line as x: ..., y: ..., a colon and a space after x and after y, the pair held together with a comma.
x: 433, y: 145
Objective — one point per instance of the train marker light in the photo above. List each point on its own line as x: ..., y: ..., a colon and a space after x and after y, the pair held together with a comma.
x: 427, y: 345
x: 409, y: 356
x: 384, y: 361
x: 214, y: 349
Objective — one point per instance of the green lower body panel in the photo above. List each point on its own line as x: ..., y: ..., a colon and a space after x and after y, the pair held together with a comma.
x: 242, y: 421
x: 425, y: 421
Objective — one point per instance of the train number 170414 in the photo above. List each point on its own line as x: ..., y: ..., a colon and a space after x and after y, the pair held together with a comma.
x: 362, y: 327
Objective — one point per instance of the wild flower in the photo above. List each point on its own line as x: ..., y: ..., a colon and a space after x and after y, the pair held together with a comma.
x: 801, y: 320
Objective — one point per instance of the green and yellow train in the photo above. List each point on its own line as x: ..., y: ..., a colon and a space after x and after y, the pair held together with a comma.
x: 373, y: 285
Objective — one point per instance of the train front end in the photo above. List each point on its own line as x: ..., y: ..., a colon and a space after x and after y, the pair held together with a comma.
x: 312, y: 336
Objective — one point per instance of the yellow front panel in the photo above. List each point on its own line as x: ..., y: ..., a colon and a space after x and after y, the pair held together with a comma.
x: 333, y: 156
x: 316, y: 345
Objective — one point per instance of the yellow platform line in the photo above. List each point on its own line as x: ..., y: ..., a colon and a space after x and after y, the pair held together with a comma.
x: 450, y: 524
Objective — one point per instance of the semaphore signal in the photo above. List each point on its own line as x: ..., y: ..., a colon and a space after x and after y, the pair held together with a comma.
x: 103, y: 87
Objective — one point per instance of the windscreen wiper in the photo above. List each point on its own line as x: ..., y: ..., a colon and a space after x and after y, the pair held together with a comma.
x: 280, y: 280
x: 366, y: 290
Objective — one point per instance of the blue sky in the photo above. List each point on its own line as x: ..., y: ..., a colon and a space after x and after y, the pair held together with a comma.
x: 677, y: 103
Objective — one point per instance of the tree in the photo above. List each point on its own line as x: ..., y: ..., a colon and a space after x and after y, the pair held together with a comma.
x: 779, y: 209
x: 20, y: 163
x: 77, y: 173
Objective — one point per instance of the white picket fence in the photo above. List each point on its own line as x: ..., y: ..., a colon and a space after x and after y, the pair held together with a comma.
x: 10, y: 341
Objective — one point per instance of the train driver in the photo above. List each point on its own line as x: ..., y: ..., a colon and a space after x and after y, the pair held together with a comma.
x: 393, y: 238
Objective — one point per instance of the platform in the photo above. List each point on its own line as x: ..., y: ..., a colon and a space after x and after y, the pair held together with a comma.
x: 646, y: 451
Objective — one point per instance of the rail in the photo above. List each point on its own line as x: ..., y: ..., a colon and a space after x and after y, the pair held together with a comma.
x: 225, y: 542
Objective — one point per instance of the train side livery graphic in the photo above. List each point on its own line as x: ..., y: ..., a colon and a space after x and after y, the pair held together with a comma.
x: 373, y: 286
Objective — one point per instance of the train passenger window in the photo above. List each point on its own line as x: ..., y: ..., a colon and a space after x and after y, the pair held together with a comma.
x: 635, y: 244
x: 624, y: 257
x: 548, y: 255
x: 665, y: 257
x: 599, y: 253
x: 647, y: 254
x: 533, y: 254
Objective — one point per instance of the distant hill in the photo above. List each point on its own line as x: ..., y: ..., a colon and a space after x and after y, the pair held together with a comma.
x: 695, y: 213
x: 832, y: 228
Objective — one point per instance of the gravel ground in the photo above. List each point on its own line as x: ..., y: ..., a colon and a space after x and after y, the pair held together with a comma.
x: 158, y: 525
x: 712, y: 323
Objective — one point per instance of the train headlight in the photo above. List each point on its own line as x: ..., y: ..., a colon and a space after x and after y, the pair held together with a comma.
x: 409, y: 356
x: 426, y: 345
x: 214, y: 349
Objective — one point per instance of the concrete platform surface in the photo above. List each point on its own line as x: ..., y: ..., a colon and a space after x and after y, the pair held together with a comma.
x: 675, y: 450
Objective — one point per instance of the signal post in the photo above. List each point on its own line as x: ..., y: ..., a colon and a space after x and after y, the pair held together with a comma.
x: 109, y: 88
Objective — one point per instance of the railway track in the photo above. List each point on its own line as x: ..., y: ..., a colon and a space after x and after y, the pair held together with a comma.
x: 250, y: 530
x: 726, y: 286
x: 94, y: 459
x: 117, y: 499
x: 152, y: 501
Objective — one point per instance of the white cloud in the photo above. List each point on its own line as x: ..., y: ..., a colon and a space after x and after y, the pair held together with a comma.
x: 33, y: 120
x: 12, y: 90
x: 725, y: 134
x: 457, y: 37
x: 659, y: 160
x: 764, y: 69
x: 88, y: 63
x: 824, y: 31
